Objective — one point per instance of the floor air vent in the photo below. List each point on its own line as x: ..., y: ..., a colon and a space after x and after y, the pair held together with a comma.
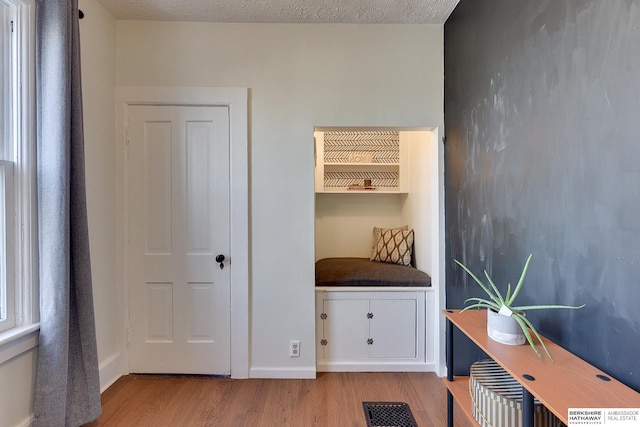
x: 388, y: 414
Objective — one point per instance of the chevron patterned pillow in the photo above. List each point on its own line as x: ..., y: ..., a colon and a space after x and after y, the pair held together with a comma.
x: 394, y: 246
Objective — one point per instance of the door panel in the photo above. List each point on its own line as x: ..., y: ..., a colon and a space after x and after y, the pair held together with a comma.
x: 347, y: 330
x: 393, y: 328
x: 157, y: 191
x: 178, y: 221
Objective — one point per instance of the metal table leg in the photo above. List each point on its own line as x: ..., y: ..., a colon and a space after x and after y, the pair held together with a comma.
x: 449, y: 409
x: 450, y: 402
x: 528, y: 410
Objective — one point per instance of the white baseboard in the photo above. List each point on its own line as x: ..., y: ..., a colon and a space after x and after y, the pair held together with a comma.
x: 110, y: 370
x: 26, y: 422
x: 375, y: 367
x: 280, y: 373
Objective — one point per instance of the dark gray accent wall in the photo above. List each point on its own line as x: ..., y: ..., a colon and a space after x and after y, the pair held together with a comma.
x: 542, y: 156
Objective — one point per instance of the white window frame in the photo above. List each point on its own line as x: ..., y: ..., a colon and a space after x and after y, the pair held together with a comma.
x: 18, y: 333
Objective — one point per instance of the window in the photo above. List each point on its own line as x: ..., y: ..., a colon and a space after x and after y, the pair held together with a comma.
x: 7, y: 230
x: 17, y: 166
x: 7, y: 245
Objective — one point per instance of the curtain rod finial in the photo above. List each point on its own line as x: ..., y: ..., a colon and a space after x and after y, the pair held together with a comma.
x: 80, y: 14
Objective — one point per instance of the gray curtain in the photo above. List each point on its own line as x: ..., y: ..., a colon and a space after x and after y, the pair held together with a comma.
x: 67, y: 382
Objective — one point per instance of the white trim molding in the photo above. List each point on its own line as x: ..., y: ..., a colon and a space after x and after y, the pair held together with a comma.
x: 111, y: 370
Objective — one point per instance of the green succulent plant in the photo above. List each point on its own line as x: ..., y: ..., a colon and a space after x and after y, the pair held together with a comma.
x: 496, y: 302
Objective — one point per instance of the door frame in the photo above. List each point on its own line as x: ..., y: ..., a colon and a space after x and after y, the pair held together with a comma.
x: 236, y: 99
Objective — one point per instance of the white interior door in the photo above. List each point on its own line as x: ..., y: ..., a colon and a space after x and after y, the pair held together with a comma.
x: 178, y: 223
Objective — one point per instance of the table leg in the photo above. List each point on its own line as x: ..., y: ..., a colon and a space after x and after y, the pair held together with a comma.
x: 449, y: 350
x: 450, y: 402
x: 528, y: 410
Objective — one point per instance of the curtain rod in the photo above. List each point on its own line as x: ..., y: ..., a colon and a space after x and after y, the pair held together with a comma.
x: 80, y: 14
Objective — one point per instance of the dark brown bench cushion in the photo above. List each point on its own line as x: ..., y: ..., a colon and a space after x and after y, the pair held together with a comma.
x: 363, y: 272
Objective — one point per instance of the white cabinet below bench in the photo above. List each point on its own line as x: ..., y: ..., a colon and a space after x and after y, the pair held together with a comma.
x: 374, y: 329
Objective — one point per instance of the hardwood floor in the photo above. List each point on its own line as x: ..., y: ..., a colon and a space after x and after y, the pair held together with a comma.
x: 331, y: 400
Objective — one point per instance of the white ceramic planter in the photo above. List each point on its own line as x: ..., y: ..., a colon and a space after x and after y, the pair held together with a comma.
x: 504, y: 329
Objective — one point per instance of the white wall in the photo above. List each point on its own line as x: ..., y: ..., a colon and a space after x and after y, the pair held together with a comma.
x: 98, y: 44
x: 344, y: 222
x: 300, y: 76
x: 423, y: 208
x: 417, y: 205
x: 17, y: 386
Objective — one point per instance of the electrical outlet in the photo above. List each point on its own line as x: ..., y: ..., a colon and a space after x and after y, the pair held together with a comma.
x: 294, y: 349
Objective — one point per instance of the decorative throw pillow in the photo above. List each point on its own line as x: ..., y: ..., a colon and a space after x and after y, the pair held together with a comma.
x: 394, y: 246
x: 376, y: 236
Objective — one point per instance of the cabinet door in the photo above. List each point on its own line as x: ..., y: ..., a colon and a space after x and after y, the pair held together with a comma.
x: 393, y: 328
x: 345, y: 329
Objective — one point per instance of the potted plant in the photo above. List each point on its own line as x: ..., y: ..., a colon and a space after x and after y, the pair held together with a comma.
x: 500, y: 308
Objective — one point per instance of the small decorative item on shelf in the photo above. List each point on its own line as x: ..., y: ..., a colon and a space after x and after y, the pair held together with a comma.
x: 367, y: 186
x: 503, y: 307
x: 360, y: 158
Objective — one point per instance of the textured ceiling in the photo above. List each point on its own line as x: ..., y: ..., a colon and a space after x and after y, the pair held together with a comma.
x: 286, y: 11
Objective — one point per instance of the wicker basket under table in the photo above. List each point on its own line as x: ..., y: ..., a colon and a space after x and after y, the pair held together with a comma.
x: 496, y: 398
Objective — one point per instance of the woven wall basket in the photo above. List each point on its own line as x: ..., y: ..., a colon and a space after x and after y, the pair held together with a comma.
x: 496, y: 398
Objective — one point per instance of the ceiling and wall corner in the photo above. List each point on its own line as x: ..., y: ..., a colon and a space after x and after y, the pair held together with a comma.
x: 285, y: 11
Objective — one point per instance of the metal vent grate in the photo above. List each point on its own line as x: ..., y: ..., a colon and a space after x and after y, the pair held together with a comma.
x: 388, y: 414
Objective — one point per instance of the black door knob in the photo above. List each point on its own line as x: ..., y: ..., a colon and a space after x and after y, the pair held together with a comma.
x: 220, y: 259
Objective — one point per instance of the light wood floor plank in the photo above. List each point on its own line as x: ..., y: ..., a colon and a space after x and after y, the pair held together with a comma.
x: 331, y: 400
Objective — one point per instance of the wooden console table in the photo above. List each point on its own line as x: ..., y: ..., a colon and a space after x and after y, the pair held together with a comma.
x: 559, y: 384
